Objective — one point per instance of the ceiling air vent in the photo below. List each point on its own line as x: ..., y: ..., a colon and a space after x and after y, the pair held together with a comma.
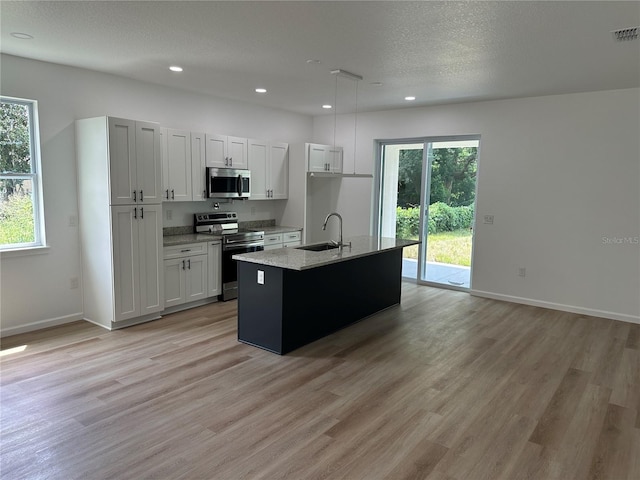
x: 625, y: 34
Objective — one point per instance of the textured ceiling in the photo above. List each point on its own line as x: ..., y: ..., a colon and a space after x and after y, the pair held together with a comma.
x: 439, y: 52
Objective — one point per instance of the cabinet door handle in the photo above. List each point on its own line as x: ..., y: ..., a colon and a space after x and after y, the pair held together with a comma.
x: 167, y: 192
x: 226, y: 161
x: 183, y: 264
x: 134, y: 196
x: 141, y: 212
x: 189, y: 263
x: 204, y: 194
x: 141, y: 196
x: 185, y: 250
x: 135, y: 212
x: 173, y: 194
x: 231, y: 161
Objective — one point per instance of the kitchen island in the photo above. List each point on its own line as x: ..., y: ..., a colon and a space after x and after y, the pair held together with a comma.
x: 290, y: 297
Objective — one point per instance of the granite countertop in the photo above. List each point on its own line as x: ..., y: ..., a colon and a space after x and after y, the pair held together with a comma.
x: 182, y: 239
x: 293, y: 258
x: 183, y: 235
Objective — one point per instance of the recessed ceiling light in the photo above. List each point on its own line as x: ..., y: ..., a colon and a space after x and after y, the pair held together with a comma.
x: 409, y: 99
x: 327, y: 106
x: 175, y: 68
x: 261, y: 90
x: 21, y: 36
x: 313, y: 61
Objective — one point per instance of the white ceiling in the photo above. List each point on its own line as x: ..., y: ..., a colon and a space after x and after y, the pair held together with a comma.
x: 439, y: 52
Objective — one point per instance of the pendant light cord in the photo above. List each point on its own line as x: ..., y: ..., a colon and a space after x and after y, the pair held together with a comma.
x: 355, y: 130
x: 335, y: 112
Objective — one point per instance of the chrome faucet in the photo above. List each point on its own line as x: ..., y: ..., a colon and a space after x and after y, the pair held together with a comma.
x: 340, y: 244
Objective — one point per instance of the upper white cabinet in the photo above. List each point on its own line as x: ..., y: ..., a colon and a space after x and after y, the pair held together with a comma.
x: 198, y: 166
x: 225, y: 152
x: 279, y: 169
x: 134, y: 161
x: 176, y: 165
x: 324, y: 158
x: 269, y: 165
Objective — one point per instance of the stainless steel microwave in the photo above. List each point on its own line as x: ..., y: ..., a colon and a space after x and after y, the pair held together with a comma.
x: 228, y: 183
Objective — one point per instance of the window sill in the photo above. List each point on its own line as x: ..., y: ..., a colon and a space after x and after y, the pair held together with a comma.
x: 24, y: 252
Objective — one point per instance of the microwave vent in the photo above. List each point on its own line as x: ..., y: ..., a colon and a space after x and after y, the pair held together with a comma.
x: 626, y: 34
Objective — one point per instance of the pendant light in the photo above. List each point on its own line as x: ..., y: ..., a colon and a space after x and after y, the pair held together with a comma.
x: 355, y: 78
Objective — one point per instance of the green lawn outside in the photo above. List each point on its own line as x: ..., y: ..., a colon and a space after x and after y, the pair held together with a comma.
x: 446, y: 247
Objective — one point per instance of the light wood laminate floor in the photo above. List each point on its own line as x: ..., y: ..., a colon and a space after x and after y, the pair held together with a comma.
x: 444, y: 386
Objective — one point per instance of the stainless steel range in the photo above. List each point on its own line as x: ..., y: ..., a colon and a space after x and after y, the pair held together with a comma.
x: 234, y: 240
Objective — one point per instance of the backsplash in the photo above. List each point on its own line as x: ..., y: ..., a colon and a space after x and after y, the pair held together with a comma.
x: 166, y: 231
x: 257, y: 223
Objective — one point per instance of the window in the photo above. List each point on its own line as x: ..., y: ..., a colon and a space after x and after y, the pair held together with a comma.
x: 21, y: 212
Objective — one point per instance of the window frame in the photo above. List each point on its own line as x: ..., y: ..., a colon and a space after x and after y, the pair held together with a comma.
x: 35, y: 176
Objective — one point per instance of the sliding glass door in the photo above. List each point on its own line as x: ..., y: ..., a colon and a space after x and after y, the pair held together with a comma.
x: 427, y: 192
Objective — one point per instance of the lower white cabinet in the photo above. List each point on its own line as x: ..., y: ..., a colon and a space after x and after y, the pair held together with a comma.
x: 214, y: 250
x: 137, y: 277
x: 279, y: 240
x: 292, y: 239
x: 185, y: 274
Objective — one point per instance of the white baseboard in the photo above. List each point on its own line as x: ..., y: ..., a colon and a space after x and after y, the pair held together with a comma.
x: 559, y: 306
x: 50, y: 322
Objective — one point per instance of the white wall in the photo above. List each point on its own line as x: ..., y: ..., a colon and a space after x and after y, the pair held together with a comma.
x: 35, y: 289
x: 561, y: 175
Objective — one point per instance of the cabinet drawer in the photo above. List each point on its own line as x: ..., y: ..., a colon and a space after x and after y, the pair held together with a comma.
x: 291, y: 237
x: 273, y: 239
x: 185, y: 250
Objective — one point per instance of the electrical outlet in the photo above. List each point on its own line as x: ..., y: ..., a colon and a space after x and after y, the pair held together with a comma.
x: 73, y: 283
x: 169, y: 214
x: 260, y: 277
x: 488, y: 219
x: 522, y: 272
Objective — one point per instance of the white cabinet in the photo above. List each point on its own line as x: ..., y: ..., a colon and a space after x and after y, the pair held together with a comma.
x: 269, y: 165
x: 185, y: 274
x: 214, y: 252
x: 134, y: 161
x: 225, y: 152
x: 324, y: 158
x: 137, y: 246
x: 198, y: 167
x: 176, y: 165
x: 279, y: 240
x: 291, y: 239
x: 279, y: 170
x: 273, y: 241
x: 120, y: 217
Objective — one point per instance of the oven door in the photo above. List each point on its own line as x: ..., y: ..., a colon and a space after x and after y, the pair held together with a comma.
x: 228, y: 183
x: 230, y: 267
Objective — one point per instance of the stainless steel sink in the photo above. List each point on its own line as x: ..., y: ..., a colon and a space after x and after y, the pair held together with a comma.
x: 318, y: 247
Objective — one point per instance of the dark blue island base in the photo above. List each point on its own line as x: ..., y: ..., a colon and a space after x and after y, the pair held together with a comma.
x: 296, y: 307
